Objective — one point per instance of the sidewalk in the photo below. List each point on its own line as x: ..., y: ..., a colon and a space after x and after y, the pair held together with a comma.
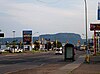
x: 92, y: 68
x: 70, y: 67
x: 80, y: 67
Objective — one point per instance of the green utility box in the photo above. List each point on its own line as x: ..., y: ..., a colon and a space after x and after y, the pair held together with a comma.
x: 69, y: 52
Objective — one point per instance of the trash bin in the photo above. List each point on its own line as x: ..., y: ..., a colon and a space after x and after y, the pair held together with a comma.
x: 69, y: 52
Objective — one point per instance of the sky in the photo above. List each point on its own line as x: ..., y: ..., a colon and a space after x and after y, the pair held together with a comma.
x: 46, y: 16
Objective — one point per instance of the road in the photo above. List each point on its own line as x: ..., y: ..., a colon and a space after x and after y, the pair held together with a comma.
x: 16, y: 62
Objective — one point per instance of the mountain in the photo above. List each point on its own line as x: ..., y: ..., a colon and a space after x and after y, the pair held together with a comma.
x: 62, y: 37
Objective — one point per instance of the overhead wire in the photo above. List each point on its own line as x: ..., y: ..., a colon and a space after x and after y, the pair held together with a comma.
x: 49, y: 1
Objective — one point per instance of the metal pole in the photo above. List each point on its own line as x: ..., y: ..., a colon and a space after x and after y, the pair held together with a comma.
x: 14, y: 40
x: 87, y: 47
x: 86, y: 23
x: 13, y: 35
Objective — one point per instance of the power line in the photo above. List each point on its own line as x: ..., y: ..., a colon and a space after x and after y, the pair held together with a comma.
x: 52, y: 2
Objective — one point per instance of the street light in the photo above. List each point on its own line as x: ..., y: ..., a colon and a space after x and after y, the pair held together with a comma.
x: 14, y: 40
x: 87, y: 58
x: 34, y: 34
x: 86, y: 21
x: 13, y: 35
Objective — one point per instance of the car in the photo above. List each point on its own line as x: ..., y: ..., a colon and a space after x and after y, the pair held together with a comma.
x: 2, y: 50
x: 16, y: 50
x: 82, y: 47
x: 58, y: 51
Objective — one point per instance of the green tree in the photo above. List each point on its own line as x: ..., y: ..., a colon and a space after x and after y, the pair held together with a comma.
x: 37, y: 45
x: 7, y: 44
x: 57, y: 44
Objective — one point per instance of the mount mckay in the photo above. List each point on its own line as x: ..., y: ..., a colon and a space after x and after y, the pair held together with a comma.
x: 62, y: 37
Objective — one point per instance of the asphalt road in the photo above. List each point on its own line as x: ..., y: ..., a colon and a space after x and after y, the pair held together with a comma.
x: 16, y: 62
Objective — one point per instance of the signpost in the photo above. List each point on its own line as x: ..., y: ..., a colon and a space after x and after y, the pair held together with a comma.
x: 27, y: 39
x: 94, y: 27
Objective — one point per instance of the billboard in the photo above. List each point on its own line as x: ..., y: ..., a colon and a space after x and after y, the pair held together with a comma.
x: 95, y: 26
x: 1, y: 34
x: 99, y: 11
x: 27, y: 37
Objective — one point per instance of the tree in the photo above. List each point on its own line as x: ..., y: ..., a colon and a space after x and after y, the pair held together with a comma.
x: 57, y: 44
x: 7, y: 44
x: 48, y: 45
x: 37, y: 45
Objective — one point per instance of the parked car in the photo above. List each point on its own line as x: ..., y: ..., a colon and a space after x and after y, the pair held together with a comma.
x: 58, y: 51
x: 2, y: 50
x: 82, y: 47
x: 14, y: 50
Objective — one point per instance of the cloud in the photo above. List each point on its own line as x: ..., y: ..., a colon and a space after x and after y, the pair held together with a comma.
x: 30, y: 11
x: 45, y: 18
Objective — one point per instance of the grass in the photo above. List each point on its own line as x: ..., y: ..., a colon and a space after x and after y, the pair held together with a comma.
x: 33, y: 51
x: 5, y: 53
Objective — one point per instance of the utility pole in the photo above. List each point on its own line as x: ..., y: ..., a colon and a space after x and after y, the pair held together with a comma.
x: 86, y: 23
x: 87, y: 58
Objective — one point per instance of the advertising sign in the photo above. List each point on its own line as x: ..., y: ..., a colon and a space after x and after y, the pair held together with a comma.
x: 95, y: 26
x: 99, y: 11
x: 69, y: 52
x: 1, y: 34
x: 27, y: 37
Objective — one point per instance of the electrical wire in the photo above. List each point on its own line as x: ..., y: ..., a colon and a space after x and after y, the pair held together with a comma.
x: 49, y: 2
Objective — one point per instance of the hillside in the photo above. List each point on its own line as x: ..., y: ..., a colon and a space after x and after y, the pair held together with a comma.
x: 62, y: 37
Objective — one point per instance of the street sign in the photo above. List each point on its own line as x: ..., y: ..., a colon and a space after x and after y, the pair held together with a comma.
x: 95, y: 26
